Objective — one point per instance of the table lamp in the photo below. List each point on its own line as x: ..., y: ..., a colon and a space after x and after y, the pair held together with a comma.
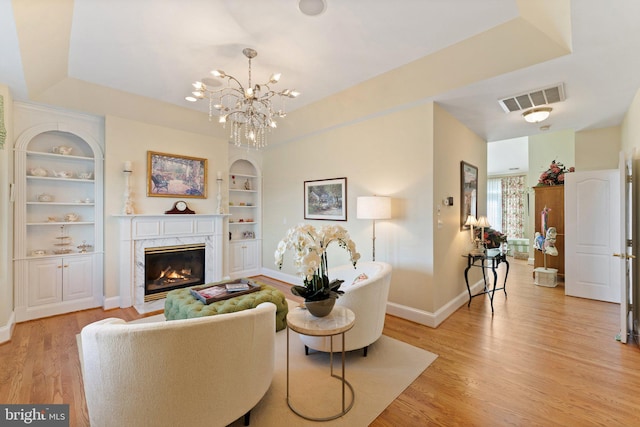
x: 374, y: 207
x: 483, y: 222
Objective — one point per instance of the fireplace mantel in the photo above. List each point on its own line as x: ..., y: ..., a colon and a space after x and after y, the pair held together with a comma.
x: 138, y: 232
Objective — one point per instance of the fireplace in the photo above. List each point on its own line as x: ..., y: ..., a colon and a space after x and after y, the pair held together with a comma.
x: 141, y: 232
x: 172, y: 267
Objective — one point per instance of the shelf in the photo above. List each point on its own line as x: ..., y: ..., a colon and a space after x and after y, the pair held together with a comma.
x: 59, y: 255
x: 61, y: 203
x: 55, y: 156
x: 242, y: 175
x: 242, y: 190
x: 242, y: 240
x: 242, y: 206
x: 53, y: 178
x: 243, y: 223
x: 62, y: 223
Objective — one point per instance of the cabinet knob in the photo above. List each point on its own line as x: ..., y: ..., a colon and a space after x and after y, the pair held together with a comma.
x: 59, y: 266
x: 66, y: 265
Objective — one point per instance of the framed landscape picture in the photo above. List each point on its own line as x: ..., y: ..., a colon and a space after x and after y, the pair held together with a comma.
x: 172, y: 175
x: 326, y: 199
x: 468, y: 193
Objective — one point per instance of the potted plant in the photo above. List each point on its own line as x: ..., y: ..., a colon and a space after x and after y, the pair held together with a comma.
x: 310, y: 248
x: 492, y: 238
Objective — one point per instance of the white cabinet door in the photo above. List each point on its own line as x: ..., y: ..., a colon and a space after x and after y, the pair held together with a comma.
x: 77, y: 275
x: 236, y: 255
x: 45, y: 281
x: 243, y: 257
x: 250, y: 255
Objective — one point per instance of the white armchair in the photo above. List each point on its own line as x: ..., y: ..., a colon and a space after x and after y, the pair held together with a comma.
x: 206, y: 371
x: 366, y: 298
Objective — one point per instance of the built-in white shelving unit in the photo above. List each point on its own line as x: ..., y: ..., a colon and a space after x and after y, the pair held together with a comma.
x: 245, y: 214
x: 58, y: 241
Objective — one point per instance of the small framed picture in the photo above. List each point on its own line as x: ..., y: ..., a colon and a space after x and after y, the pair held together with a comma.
x: 172, y: 175
x: 326, y: 199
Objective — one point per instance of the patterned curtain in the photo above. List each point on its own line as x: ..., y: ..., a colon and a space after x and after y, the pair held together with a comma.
x: 513, y: 206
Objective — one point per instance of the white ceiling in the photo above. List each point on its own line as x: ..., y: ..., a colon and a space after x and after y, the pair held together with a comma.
x: 157, y: 48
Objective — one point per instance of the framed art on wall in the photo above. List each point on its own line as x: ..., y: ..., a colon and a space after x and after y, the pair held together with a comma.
x: 172, y: 175
x: 326, y: 199
x: 468, y: 193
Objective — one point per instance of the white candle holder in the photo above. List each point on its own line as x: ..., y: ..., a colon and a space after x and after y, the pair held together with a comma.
x: 128, y: 203
x: 219, y: 196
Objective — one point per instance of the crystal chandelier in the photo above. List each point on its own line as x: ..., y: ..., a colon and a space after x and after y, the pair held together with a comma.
x: 249, y: 110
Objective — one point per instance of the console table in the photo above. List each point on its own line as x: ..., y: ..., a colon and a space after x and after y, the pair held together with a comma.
x: 487, y: 261
x: 339, y: 321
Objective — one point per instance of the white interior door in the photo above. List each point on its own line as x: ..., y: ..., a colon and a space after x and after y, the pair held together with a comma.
x: 593, y: 231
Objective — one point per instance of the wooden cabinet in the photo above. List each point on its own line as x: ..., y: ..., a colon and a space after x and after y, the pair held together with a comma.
x: 551, y: 197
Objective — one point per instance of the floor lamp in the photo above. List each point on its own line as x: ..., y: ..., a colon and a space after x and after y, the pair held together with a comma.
x: 374, y: 207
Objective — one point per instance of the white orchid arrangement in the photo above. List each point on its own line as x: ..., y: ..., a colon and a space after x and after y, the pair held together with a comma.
x: 310, y: 247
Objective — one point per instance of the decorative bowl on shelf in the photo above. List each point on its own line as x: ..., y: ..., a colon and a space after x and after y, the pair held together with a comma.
x: 63, y: 174
x: 37, y: 172
x: 62, y: 251
x: 62, y: 149
x: 38, y: 252
x: 85, y: 175
x: 71, y: 217
x: 44, y: 197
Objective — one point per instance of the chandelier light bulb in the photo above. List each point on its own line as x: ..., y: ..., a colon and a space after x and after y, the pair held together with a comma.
x: 219, y: 73
x: 190, y: 99
x: 275, y: 78
x: 198, y: 85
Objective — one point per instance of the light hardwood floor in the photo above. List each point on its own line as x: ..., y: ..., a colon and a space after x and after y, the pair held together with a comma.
x: 542, y: 359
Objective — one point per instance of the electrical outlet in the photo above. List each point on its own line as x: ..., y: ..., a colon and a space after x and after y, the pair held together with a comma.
x: 448, y: 201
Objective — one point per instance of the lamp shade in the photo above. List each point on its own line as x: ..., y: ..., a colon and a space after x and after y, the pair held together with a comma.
x: 483, y: 222
x: 374, y: 207
x: 471, y: 221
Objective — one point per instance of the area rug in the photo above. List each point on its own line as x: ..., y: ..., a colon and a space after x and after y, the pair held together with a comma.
x: 378, y: 379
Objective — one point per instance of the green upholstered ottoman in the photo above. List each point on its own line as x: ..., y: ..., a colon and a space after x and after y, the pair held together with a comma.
x: 180, y: 304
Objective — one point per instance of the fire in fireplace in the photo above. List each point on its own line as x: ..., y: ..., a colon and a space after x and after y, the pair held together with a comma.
x: 172, y: 267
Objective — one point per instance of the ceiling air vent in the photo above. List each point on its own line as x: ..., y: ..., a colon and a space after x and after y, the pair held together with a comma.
x: 533, y: 99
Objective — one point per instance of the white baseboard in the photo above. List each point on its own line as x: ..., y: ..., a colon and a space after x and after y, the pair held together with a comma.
x: 405, y: 312
x: 111, y: 303
x: 6, y: 331
x: 428, y: 318
x: 279, y: 275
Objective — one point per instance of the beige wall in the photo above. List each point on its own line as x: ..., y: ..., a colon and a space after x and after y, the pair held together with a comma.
x: 598, y: 149
x: 394, y: 155
x: 130, y: 140
x: 630, y: 128
x: 453, y: 143
x: 6, y: 218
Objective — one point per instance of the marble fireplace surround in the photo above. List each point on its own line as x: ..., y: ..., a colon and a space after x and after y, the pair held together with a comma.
x: 139, y: 232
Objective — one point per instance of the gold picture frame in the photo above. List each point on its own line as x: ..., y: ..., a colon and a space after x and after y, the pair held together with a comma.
x: 173, y: 175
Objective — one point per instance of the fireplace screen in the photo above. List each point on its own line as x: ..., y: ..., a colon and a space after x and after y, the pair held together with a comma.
x: 172, y: 267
